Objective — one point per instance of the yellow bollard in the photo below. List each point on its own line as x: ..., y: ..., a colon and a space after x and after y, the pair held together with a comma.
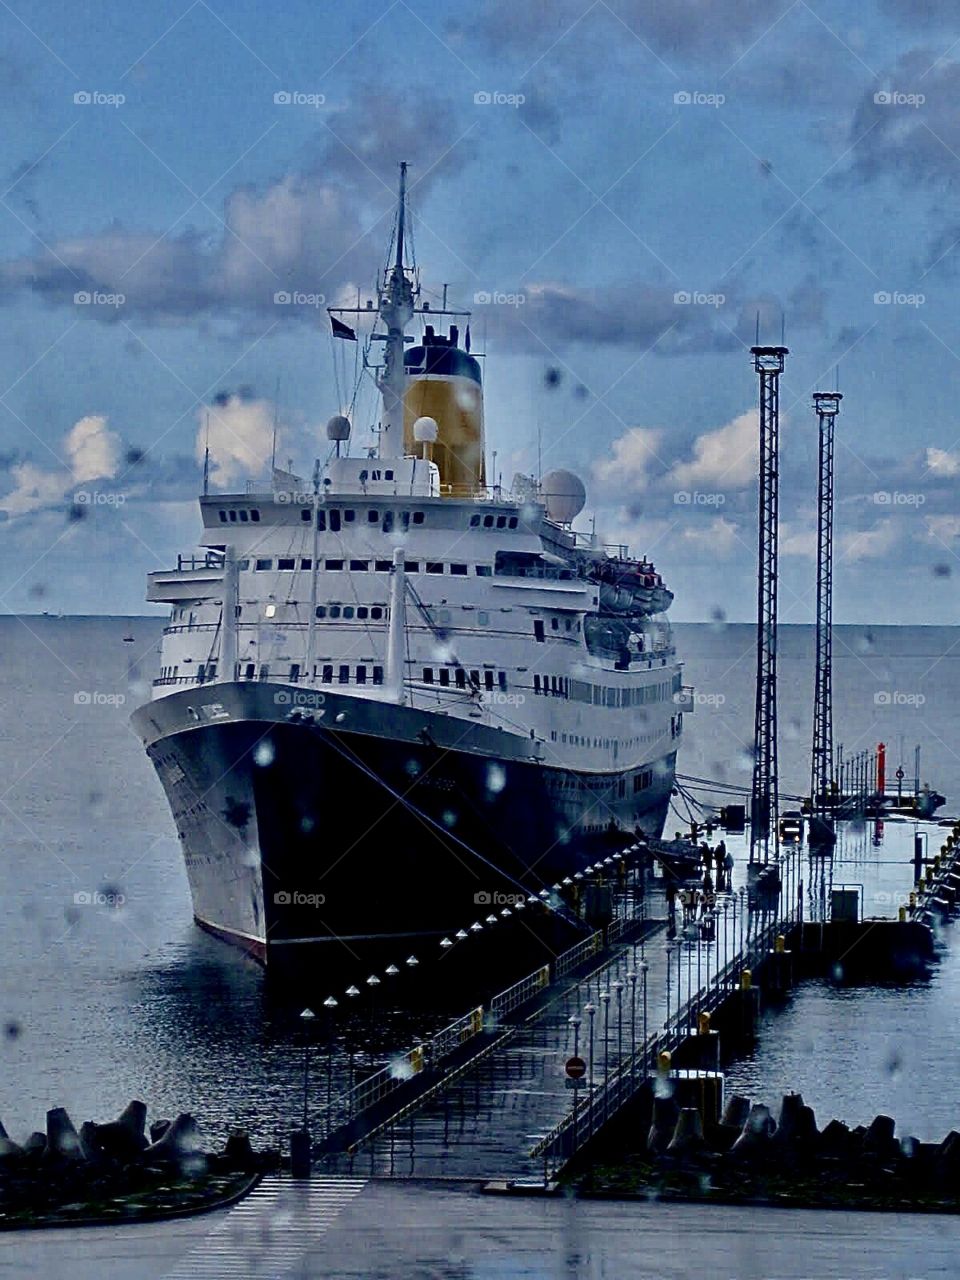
x: 921, y: 885
x: 902, y: 915
x: 703, y: 1024
x: 746, y: 979
x: 663, y: 1061
x: 779, y: 944
x: 913, y: 900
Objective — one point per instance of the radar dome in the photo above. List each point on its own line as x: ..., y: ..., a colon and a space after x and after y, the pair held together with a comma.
x: 564, y: 495
x: 425, y: 430
x: 338, y: 428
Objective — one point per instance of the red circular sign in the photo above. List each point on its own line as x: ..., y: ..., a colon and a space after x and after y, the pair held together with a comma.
x: 576, y: 1068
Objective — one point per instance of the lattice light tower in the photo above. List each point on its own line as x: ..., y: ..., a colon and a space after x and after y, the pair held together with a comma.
x: 822, y: 798
x: 764, y: 834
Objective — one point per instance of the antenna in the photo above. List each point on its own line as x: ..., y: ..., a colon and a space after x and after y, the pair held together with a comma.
x: 539, y: 453
x: 276, y: 417
x: 758, y: 327
x: 206, y: 458
x: 401, y: 216
x: 823, y: 795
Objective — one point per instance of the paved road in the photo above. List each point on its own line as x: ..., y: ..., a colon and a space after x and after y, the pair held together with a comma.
x: 417, y: 1231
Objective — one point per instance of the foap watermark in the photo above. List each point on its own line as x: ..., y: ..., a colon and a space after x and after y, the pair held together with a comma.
x: 295, y: 98
x: 296, y: 298
x: 295, y: 497
x: 483, y: 898
x: 93, y: 298
x: 99, y: 898
x: 497, y: 298
x: 894, y: 498
x: 694, y: 498
x: 495, y: 98
x: 893, y: 298
x: 94, y: 698
x: 694, y: 298
x: 297, y: 898
x: 94, y: 98
x: 698, y: 699
x: 98, y: 498
x: 298, y: 698
x: 885, y: 898
x: 896, y: 98
x: 694, y: 98
x: 497, y: 698
x: 897, y: 698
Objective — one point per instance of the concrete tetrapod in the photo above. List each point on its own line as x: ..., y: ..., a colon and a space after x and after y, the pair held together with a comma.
x: 664, y: 1123
x: 180, y: 1144
x: 757, y: 1132
x: 63, y: 1142
x: 687, y: 1137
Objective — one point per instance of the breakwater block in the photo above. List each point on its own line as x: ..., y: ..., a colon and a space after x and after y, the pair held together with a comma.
x: 756, y: 1135
x: 687, y: 1140
x: 63, y: 1144
x: 179, y: 1145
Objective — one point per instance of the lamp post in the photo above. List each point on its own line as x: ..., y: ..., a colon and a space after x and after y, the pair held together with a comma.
x: 743, y: 908
x: 306, y: 1017
x: 618, y: 988
x: 632, y: 979
x: 605, y: 1001
x: 329, y: 1004
x: 591, y: 1011
x: 576, y: 1023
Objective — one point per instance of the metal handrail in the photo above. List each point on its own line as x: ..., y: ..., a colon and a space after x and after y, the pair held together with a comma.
x: 519, y: 993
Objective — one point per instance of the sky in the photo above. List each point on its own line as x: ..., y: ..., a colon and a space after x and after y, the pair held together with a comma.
x: 621, y: 193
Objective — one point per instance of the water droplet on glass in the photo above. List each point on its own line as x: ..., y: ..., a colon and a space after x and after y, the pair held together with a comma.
x: 264, y: 753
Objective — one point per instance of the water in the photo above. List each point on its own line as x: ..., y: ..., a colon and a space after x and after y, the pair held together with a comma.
x: 103, y: 1002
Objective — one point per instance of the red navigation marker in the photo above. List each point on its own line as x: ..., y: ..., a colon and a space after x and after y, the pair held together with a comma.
x: 576, y: 1068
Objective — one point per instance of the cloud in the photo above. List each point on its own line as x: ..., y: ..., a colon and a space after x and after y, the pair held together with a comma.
x: 798, y: 541
x: 240, y: 439
x: 868, y: 544
x: 943, y: 463
x: 718, y: 537
x: 725, y: 458
x: 632, y: 456
x: 93, y: 450
x: 34, y: 488
x: 942, y: 529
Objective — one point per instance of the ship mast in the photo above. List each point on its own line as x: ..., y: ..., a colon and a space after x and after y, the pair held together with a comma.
x: 396, y: 310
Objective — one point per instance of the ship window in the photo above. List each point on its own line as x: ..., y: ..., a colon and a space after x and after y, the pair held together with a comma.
x: 243, y: 564
x: 538, y: 630
x: 488, y: 679
x: 244, y: 517
x: 475, y: 520
x: 233, y: 516
x: 250, y: 670
x: 333, y: 565
x: 461, y: 677
x: 348, y: 610
x: 484, y: 571
x: 349, y: 516
x: 412, y: 566
x: 255, y: 516
x: 512, y: 522
x: 388, y: 522
x: 475, y: 679
x: 501, y: 522
x: 321, y: 520
x: 382, y: 566
x: 294, y: 672
x: 343, y: 675
x: 378, y: 675
x: 321, y: 610
x: 444, y: 676
x: 361, y: 675
x: 264, y: 564
x: 376, y: 612
x: 418, y: 517
x: 306, y: 563
x: 201, y: 673
x: 373, y: 516
x: 568, y: 624
x: 335, y: 519
x: 459, y: 570
x: 488, y: 522
x: 428, y: 675
x: 305, y: 514
x: 555, y: 623
x: 444, y: 617
x: 287, y: 563
x: 388, y: 475
x: 326, y: 674
x: 536, y: 684
x: 223, y: 517
x: 434, y: 566
x: 362, y: 611
x: 265, y: 672
x: 483, y: 618
x: 405, y: 519
x: 334, y: 611
x: 359, y: 566
x: 211, y: 671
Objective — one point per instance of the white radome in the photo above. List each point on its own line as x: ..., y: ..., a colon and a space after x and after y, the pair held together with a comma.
x: 425, y: 430
x: 564, y: 495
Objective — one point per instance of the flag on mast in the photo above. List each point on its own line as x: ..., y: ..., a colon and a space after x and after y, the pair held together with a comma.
x: 341, y: 330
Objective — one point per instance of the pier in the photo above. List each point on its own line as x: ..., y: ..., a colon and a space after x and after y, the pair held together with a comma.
x: 513, y: 1090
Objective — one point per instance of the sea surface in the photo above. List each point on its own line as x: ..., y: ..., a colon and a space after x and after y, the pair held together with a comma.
x: 108, y: 991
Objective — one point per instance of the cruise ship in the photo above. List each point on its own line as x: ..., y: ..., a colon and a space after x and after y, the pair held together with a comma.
x: 394, y: 695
